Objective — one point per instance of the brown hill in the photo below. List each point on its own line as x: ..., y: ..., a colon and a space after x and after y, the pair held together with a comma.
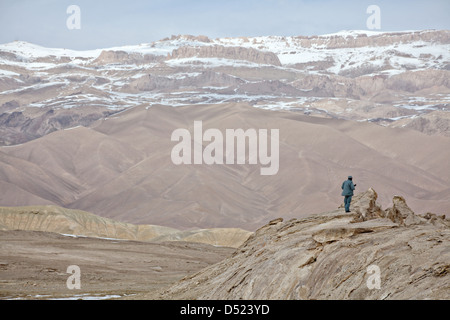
x: 84, y: 224
x: 74, y: 222
x: 369, y: 253
x: 121, y: 168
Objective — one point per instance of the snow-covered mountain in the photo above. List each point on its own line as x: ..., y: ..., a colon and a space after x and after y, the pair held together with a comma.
x: 392, y: 78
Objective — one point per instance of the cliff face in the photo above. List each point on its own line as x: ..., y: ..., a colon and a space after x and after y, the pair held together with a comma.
x: 234, y: 53
x: 355, y: 40
x: 122, y: 57
x: 368, y: 253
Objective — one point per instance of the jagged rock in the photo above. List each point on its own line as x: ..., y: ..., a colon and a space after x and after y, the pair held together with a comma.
x: 328, y: 255
x: 365, y: 205
x: 275, y: 221
x: 437, y: 220
x: 400, y: 213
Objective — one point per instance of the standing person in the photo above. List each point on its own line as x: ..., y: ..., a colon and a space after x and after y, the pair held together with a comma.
x: 347, y: 192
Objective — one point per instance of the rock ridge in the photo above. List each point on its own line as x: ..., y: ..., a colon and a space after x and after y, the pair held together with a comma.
x: 234, y: 53
x: 78, y: 223
x: 328, y: 255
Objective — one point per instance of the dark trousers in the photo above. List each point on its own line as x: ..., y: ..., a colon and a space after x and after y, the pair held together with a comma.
x: 347, y: 201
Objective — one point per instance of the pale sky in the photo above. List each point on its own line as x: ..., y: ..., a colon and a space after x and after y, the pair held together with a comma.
x: 117, y: 22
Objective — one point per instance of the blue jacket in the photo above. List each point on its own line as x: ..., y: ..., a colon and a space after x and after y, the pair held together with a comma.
x: 347, y: 188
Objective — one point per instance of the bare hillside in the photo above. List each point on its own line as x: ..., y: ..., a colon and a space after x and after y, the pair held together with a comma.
x: 121, y: 168
x: 77, y: 223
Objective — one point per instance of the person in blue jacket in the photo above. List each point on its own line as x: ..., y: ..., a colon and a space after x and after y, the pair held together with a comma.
x: 347, y: 192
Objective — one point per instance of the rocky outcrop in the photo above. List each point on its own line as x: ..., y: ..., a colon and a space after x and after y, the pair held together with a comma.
x: 233, y: 53
x: 200, y: 38
x: 357, y: 40
x: 365, y: 206
x: 365, y: 254
x: 401, y: 214
x: 122, y: 57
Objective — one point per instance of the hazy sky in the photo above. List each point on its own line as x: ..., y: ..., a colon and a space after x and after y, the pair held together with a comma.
x: 118, y: 22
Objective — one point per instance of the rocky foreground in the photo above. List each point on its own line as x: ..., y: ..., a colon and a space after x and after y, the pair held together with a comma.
x: 368, y: 253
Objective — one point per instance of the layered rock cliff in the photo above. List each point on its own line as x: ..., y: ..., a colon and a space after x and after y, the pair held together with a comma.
x: 234, y: 53
x: 369, y: 253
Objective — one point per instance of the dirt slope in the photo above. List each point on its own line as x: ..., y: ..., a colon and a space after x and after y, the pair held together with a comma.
x: 33, y: 265
x: 121, y: 168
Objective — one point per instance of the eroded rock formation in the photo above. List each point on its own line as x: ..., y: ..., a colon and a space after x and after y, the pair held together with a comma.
x: 332, y: 256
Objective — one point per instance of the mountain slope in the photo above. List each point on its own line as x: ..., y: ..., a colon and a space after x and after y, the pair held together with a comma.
x: 74, y: 222
x: 381, y: 77
x: 121, y: 168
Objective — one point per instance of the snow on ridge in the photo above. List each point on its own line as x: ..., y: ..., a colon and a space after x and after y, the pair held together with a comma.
x: 163, y: 47
x: 30, y: 50
x: 288, y: 49
x: 8, y: 73
x: 368, y: 33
